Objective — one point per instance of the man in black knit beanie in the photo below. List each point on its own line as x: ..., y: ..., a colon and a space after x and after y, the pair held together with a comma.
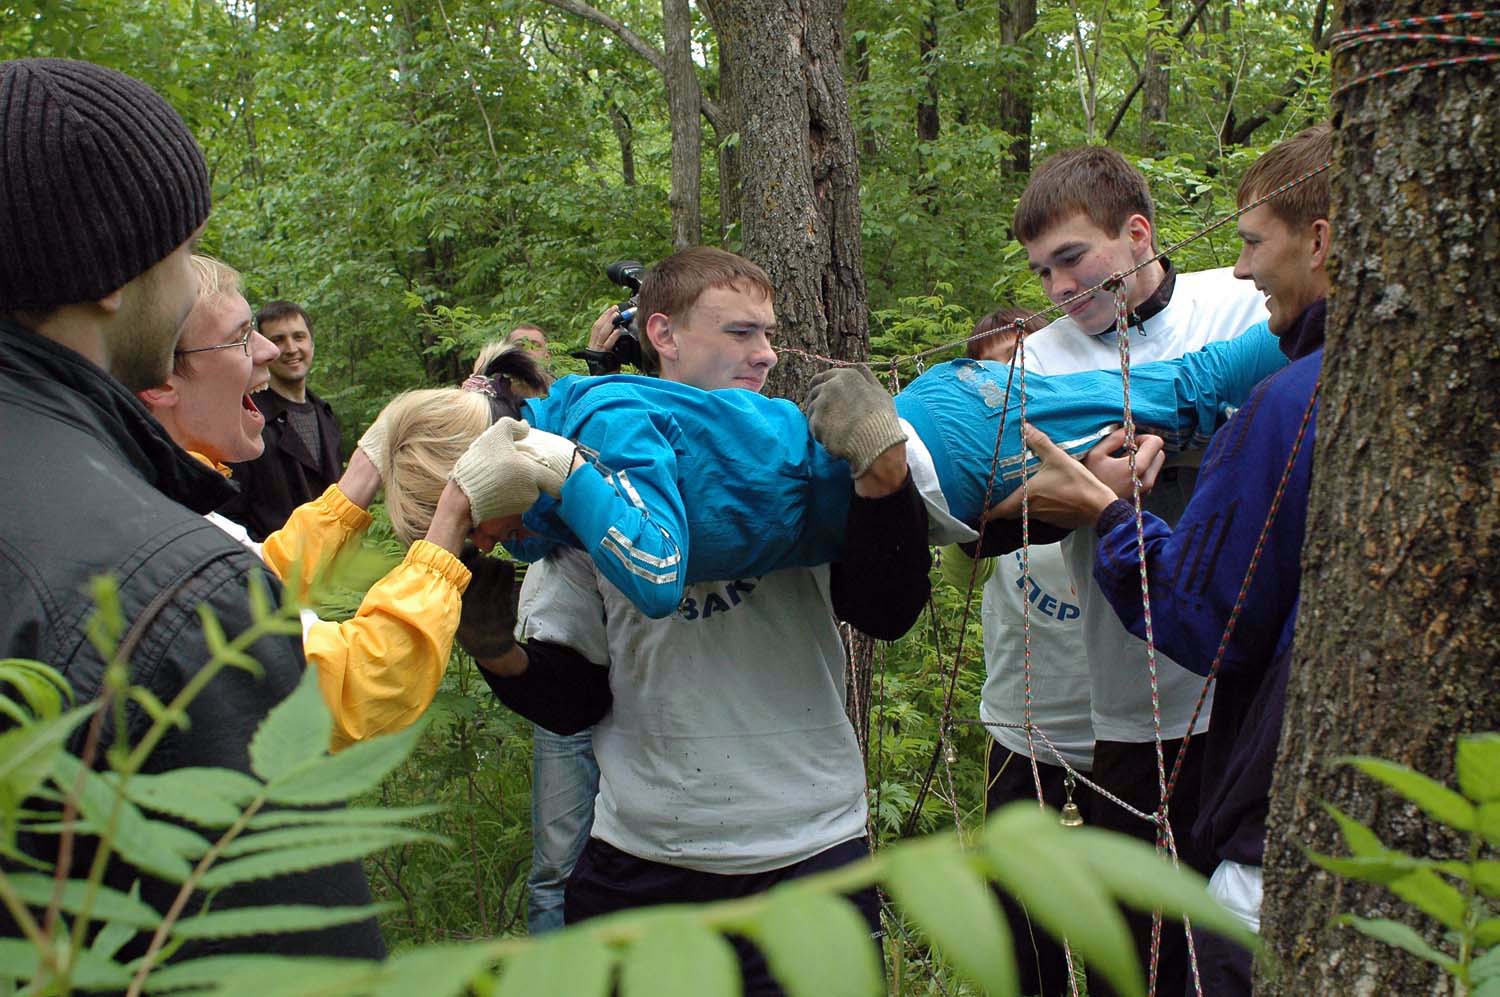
x: 103, y: 193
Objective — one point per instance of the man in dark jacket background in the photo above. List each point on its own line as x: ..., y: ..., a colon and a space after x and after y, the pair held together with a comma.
x: 103, y: 194
x: 302, y: 455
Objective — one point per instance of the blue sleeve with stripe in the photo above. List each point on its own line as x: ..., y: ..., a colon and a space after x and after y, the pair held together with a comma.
x: 630, y: 516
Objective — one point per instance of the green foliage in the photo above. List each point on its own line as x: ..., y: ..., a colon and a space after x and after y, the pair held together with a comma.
x: 211, y: 821
x: 1467, y: 910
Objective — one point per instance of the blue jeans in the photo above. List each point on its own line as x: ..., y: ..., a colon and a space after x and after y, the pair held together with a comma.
x: 564, y: 782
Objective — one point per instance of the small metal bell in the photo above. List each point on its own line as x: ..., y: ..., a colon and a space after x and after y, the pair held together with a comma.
x: 1071, y: 817
x: 951, y: 756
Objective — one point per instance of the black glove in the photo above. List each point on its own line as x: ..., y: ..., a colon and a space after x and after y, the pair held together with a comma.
x: 487, y: 623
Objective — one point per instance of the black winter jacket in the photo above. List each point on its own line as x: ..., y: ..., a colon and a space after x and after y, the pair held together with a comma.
x: 91, y: 484
x: 285, y: 475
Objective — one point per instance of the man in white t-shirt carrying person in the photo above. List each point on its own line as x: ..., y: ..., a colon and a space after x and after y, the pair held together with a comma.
x: 726, y: 761
x: 1086, y: 214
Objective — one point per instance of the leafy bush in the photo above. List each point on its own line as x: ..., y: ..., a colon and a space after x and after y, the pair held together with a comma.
x: 1459, y: 895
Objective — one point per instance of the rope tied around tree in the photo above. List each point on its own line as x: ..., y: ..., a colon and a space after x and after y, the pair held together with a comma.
x: 1397, y: 30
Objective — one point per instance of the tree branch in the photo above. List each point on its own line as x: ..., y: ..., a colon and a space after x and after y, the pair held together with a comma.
x: 1140, y: 80
x: 639, y: 46
x: 1241, y: 132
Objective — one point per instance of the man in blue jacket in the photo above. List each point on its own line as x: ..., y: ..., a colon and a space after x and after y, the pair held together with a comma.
x: 1197, y: 570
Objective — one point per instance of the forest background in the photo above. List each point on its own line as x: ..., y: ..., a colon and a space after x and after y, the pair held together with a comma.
x: 423, y: 175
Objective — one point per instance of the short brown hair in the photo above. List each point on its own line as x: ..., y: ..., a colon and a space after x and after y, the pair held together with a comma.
x: 999, y: 324
x: 215, y: 278
x: 1091, y: 179
x: 675, y: 284
x: 275, y: 311
x: 1305, y: 151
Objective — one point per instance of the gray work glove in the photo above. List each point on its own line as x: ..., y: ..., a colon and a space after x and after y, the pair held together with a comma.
x: 487, y: 622
x: 853, y: 416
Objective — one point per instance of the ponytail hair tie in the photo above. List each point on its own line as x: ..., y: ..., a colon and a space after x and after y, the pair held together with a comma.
x: 479, y: 383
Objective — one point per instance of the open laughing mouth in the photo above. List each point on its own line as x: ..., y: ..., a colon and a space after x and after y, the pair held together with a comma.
x: 248, y: 404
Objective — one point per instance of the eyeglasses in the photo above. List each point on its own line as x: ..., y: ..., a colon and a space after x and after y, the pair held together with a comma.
x: 243, y: 343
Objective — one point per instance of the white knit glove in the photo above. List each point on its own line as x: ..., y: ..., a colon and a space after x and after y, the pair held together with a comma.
x: 503, y: 479
x: 375, y: 441
x: 553, y: 453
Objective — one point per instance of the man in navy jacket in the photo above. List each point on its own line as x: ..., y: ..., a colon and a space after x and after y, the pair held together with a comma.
x: 1197, y: 570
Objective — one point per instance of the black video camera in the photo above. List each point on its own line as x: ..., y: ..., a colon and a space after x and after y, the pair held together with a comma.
x: 627, y: 348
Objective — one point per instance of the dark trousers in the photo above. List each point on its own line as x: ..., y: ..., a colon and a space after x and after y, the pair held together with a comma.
x: 1223, y: 966
x: 606, y: 880
x: 1040, y: 960
x: 1129, y: 771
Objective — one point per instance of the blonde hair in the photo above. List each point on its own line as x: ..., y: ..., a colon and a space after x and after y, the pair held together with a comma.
x: 429, y: 429
x: 215, y: 279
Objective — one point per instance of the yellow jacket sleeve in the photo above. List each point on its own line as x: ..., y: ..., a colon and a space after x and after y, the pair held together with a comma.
x: 311, y: 539
x: 956, y: 566
x: 380, y: 670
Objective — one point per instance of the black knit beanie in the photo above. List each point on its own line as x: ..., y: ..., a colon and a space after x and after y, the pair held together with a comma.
x: 99, y: 180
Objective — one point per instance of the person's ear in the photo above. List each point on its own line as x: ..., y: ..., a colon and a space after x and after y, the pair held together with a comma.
x: 1138, y: 228
x: 1320, y: 233
x: 160, y: 397
x: 112, y: 301
x: 659, y: 334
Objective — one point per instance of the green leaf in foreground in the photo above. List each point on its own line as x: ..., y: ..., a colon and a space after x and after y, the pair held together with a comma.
x: 953, y: 905
x: 133, y: 837
x: 1024, y: 852
x: 295, y: 732
x: 272, y: 919
x: 109, y: 904
x: 816, y: 945
x: 355, y: 770
x: 20, y: 961
x: 1478, y: 764
x: 1436, y: 800
x: 679, y: 957
x: 343, y: 817
x: 278, y: 863
x: 27, y: 754
x: 258, y: 975
x: 573, y: 963
x: 1137, y: 876
x: 1401, y: 936
x: 206, y: 797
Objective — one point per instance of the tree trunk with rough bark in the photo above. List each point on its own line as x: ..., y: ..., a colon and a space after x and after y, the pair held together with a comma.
x: 683, y: 100
x: 1017, y: 89
x: 1398, y: 652
x: 799, y: 184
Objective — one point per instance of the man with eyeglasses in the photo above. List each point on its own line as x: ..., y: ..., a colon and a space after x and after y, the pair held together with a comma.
x: 302, y: 439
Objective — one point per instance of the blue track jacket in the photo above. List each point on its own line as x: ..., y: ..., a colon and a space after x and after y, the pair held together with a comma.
x: 690, y: 485
x: 1195, y: 573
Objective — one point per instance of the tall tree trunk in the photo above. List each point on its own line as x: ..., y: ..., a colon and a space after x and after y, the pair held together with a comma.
x: 1017, y: 89
x: 683, y: 101
x: 1397, y: 648
x: 1157, y: 88
x: 799, y: 208
x: 928, y: 122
